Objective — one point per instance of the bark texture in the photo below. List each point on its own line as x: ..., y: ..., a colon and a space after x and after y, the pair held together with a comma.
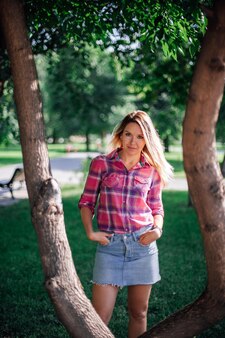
x: 72, y: 306
x: 205, y: 181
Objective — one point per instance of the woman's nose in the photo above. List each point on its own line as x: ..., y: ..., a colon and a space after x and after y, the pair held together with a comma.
x: 131, y: 140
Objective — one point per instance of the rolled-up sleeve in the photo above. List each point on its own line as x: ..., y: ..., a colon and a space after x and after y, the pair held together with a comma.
x: 91, y: 189
x: 154, y: 199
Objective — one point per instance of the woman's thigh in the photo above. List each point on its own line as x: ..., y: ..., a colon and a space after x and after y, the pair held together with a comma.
x: 103, y: 300
x: 138, y: 298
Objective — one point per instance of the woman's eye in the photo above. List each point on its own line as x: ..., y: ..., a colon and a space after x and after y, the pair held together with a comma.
x: 127, y: 134
x: 140, y: 137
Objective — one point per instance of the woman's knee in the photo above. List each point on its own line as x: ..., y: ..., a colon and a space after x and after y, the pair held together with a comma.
x: 104, y: 315
x: 138, y: 314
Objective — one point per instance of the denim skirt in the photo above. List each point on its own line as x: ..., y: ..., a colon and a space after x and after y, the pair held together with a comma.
x: 125, y: 261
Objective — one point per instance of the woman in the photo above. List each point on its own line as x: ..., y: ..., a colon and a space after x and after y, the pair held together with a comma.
x: 126, y: 186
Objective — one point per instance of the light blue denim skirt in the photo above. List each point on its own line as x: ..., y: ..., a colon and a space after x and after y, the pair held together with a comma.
x: 125, y: 261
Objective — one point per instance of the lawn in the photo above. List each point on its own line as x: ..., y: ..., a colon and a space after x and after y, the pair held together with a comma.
x: 25, y: 309
x: 12, y: 154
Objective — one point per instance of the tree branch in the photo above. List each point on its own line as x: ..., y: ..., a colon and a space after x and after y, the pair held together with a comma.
x: 191, y: 320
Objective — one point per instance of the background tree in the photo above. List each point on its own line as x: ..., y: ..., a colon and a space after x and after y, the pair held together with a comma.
x: 9, y: 130
x: 89, y: 90
x: 161, y: 87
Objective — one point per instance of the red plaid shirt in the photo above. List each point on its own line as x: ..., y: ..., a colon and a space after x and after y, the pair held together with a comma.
x: 126, y: 200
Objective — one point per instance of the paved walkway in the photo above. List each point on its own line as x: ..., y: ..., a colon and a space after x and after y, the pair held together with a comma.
x: 66, y: 170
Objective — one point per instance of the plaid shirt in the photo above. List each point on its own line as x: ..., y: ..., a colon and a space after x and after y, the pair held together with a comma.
x: 127, y: 199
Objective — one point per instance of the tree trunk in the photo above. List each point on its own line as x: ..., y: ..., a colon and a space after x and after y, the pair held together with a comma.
x: 1, y: 87
x: 87, y: 140
x: 73, y: 308
x: 166, y: 144
x: 205, y: 182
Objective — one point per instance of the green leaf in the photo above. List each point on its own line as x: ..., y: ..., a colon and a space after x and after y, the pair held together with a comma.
x: 165, y: 48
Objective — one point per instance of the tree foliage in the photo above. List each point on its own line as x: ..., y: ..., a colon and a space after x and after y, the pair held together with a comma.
x: 161, y: 87
x: 9, y: 130
x: 132, y: 29
x: 129, y: 26
x: 81, y: 91
x: 54, y: 23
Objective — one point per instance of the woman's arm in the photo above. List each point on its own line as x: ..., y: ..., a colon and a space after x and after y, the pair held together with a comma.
x: 155, y: 233
x: 158, y: 223
x: 86, y: 216
x: 98, y: 236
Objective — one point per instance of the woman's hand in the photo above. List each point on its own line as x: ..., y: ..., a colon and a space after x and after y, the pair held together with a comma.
x: 150, y: 236
x: 100, y: 237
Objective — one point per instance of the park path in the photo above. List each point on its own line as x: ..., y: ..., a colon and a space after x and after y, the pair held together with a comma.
x: 66, y: 170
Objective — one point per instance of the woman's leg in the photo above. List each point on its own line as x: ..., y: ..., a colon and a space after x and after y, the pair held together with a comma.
x: 103, y: 300
x: 138, y: 298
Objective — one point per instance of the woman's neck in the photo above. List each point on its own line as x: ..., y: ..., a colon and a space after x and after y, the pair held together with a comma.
x: 129, y: 161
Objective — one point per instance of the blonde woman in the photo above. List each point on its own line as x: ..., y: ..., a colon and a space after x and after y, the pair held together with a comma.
x: 126, y: 186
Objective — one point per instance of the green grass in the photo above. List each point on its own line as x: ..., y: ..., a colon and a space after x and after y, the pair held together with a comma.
x: 13, y: 155
x: 10, y: 155
x: 25, y: 309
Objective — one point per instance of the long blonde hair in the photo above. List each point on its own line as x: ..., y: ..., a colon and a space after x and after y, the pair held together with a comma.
x: 153, y: 149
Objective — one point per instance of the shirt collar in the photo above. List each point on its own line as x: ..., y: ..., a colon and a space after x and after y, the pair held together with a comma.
x: 114, y: 154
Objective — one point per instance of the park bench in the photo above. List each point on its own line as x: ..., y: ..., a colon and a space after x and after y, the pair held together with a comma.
x: 12, y: 183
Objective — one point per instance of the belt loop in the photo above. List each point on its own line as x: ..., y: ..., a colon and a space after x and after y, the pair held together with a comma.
x: 134, y: 236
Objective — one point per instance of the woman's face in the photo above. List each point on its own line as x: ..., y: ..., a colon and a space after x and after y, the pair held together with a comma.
x: 132, y: 139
